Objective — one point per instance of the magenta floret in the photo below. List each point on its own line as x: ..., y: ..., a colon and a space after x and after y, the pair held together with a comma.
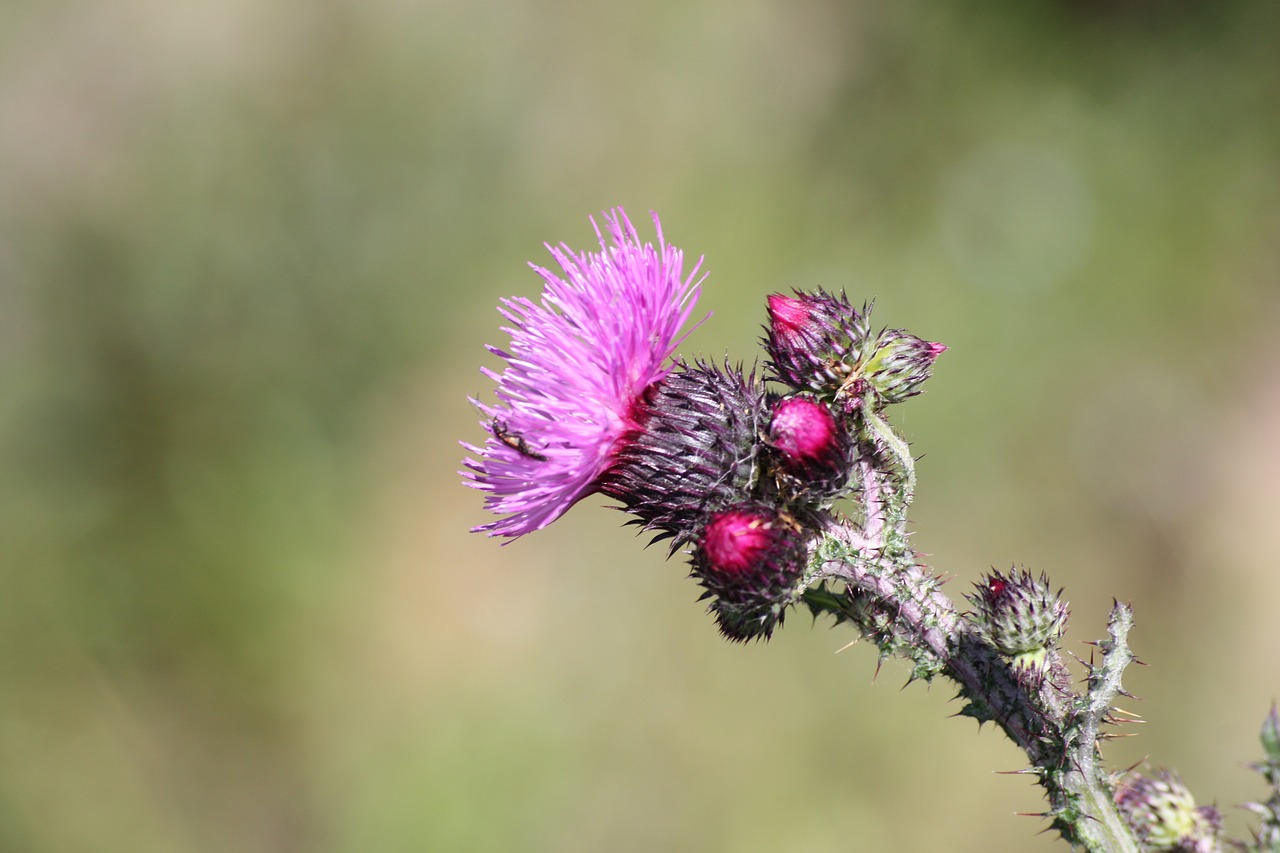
x: 579, y: 362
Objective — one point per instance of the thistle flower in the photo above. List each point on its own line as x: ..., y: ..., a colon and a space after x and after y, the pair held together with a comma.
x: 695, y: 450
x: 750, y: 560
x: 579, y: 364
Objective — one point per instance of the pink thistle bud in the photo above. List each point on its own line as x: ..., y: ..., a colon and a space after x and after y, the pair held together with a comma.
x: 735, y: 541
x: 750, y: 559
x: 802, y: 430
x: 787, y: 315
x: 815, y: 341
x: 811, y: 450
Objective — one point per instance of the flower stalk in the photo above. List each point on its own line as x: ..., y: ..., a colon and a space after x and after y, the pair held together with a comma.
x: 897, y: 603
x: 793, y: 486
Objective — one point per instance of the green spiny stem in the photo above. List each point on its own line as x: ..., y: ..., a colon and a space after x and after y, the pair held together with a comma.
x: 1267, y: 837
x: 1094, y: 709
x: 896, y: 601
x: 1084, y: 725
x: 883, y: 433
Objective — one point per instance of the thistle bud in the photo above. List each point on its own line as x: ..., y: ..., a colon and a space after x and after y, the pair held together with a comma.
x: 750, y: 560
x: 899, y: 365
x: 822, y: 344
x: 811, y: 448
x: 694, y: 450
x: 1020, y: 616
x: 816, y: 341
x: 1164, y: 815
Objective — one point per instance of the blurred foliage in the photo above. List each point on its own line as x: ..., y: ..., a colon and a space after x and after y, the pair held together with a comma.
x: 249, y: 253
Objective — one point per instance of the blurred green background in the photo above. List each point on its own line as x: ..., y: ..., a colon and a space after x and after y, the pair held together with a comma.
x: 249, y: 255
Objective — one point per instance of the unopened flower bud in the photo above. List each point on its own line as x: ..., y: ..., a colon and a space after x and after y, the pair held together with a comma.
x: 1164, y: 814
x: 803, y: 431
x: 1019, y: 615
x: 900, y: 364
x: 790, y: 316
x: 811, y: 447
x: 820, y: 343
x: 816, y: 341
x: 750, y: 560
x: 693, y: 452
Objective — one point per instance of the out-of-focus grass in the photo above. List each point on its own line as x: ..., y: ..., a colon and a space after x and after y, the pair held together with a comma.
x: 249, y: 253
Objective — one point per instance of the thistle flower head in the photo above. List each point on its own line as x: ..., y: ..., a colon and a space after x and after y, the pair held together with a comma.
x: 1020, y: 615
x: 750, y: 560
x: 580, y: 361
x: 695, y: 450
x: 1162, y: 811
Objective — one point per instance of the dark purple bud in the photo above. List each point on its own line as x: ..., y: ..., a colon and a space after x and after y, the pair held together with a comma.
x: 695, y: 451
x: 815, y: 342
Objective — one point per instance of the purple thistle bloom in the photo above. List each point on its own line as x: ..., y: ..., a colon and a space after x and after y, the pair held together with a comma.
x: 580, y: 362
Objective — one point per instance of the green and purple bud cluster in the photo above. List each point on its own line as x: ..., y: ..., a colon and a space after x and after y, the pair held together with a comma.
x: 1162, y: 811
x: 1020, y: 616
x: 821, y: 343
x: 744, y: 473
